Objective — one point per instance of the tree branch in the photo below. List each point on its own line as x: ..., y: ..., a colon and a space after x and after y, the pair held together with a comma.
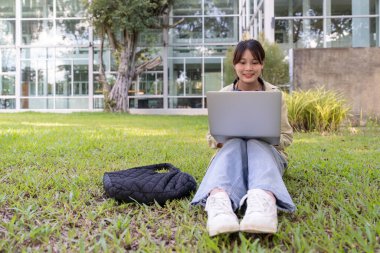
x: 148, y: 65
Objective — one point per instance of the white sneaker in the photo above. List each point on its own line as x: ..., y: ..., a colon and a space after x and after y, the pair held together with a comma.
x: 261, y: 213
x: 221, y: 217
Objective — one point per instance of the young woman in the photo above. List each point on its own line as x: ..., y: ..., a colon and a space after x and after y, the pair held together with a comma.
x: 247, y: 171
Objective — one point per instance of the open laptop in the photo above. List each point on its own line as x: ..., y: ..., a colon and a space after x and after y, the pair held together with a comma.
x: 245, y: 114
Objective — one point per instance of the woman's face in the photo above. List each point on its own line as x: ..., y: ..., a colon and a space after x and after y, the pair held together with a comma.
x: 248, y: 69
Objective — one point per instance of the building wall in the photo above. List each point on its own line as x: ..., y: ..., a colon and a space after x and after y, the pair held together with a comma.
x: 353, y: 71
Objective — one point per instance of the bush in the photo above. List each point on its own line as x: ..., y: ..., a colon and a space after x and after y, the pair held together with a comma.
x: 316, y: 110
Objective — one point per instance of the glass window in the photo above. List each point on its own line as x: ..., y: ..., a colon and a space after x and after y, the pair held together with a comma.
x: 8, y: 60
x: 80, y: 78
x: 7, y: 32
x: 299, y: 8
x: 98, y: 88
x: 7, y: 103
x: 299, y: 33
x: 189, y: 31
x: 221, y: 29
x: 186, y: 51
x: 7, y: 9
x: 37, y: 8
x: 187, y: 7
x: 37, y: 103
x: 341, y: 7
x: 215, y: 51
x: 63, y: 77
x: 185, y: 102
x: 70, y: 8
x: 151, y: 83
x: 37, y: 32
x: 37, y: 78
x: 71, y: 103
x: 7, y: 85
x: 37, y: 53
x: 72, y: 32
x: 72, y: 52
x: 213, y: 74
x: 146, y: 103
x: 28, y: 78
x: 221, y: 7
x: 193, y: 83
x: 185, y: 77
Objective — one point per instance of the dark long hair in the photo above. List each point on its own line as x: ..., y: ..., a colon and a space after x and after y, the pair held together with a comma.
x: 253, y: 46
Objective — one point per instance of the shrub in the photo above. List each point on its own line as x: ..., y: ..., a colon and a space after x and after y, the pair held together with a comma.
x: 316, y: 110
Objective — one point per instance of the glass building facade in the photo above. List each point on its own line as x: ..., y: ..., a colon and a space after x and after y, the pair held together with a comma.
x: 49, y: 54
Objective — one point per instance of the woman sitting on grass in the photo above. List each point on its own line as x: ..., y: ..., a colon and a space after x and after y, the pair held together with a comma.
x: 247, y: 171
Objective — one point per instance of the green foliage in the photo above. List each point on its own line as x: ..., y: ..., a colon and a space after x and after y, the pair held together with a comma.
x: 52, y: 197
x: 276, y: 69
x: 131, y: 15
x: 318, y: 109
x: 228, y: 69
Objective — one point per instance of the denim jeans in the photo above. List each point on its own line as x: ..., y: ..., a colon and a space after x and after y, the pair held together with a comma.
x: 241, y: 165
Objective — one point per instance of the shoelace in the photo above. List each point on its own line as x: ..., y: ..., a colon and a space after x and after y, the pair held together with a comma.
x: 219, y: 205
x: 258, y: 203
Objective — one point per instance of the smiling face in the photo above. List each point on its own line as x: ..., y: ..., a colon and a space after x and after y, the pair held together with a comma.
x: 248, y: 69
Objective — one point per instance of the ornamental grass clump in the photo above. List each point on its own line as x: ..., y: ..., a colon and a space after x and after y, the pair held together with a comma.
x: 316, y: 110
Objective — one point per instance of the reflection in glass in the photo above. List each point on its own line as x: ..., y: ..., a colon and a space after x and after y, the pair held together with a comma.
x: 63, y: 78
x: 37, y: 8
x: 298, y: 8
x: 80, y: 79
x: 185, y: 102
x: 37, y: 53
x: 37, y: 78
x: 7, y: 85
x: 221, y: 29
x: 72, y: 52
x: 72, y: 32
x: 37, y: 103
x: 151, y: 83
x: 146, y: 103
x: 187, y: 51
x: 187, y: 7
x: 213, y: 74
x: 7, y: 103
x: 299, y: 33
x: 221, y: 7
x: 8, y: 60
x: 71, y: 103
x: 185, y: 77
x: 70, y: 8
x: 37, y: 32
x: 190, y: 30
x: 7, y: 9
x: 98, y: 87
x: 7, y: 32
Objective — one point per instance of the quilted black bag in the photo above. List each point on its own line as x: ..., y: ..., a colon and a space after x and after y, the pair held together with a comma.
x: 147, y: 184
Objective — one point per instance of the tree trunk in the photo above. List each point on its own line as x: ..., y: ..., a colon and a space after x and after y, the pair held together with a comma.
x: 126, y: 72
x: 119, y: 92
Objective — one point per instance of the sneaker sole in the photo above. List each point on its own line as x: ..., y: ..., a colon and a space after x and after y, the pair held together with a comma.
x: 223, y: 230
x: 258, y: 230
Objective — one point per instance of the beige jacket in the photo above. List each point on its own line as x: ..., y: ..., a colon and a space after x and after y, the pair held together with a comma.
x: 286, y: 130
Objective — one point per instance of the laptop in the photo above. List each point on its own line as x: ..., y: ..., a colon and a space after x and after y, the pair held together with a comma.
x: 245, y: 114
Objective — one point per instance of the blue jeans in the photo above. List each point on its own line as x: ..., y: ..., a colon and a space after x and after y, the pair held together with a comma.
x: 241, y: 165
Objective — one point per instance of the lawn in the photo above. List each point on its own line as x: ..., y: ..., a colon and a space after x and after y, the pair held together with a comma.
x: 52, y: 197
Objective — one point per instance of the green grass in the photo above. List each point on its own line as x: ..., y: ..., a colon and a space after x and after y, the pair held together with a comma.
x: 52, y: 198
